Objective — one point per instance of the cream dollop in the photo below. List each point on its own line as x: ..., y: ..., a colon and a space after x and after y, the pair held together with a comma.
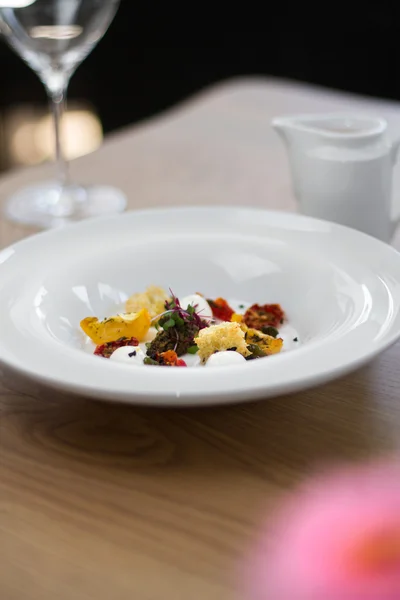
x: 225, y: 358
x: 129, y: 354
x: 203, y: 309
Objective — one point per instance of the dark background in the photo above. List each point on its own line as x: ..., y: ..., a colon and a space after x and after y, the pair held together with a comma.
x: 157, y: 54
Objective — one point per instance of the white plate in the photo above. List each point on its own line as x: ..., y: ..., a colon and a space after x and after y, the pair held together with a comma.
x: 339, y: 288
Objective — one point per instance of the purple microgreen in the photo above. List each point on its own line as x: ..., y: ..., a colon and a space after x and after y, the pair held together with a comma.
x: 177, y: 328
x: 175, y: 311
x: 175, y: 299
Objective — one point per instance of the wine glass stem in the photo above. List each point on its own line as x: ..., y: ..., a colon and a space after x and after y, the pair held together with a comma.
x: 58, y: 107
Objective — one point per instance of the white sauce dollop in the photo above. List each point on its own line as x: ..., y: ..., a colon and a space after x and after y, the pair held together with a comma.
x: 150, y: 335
x: 203, y: 309
x: 224, y: 358
x: 129, y: 354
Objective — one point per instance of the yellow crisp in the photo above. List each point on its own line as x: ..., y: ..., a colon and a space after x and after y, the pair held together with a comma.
x: 269, y: 344
x: 153, y: 300
x: 128, y: 325
x: 217, y: 338
x: 237, y: 318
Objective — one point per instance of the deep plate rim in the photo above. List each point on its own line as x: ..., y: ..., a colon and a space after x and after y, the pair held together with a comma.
x: 218, y: 397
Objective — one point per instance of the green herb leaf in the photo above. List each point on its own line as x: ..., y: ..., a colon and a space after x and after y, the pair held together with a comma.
x: 149, y: 361
x: 168, y: 324
x: 256, y: 352
x: 193, y: 350
x: 269, y: 330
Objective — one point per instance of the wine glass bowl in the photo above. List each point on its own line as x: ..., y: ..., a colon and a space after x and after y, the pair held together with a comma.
x: 53, y: 37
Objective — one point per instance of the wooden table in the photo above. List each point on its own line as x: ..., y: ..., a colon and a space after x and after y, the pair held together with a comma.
x: 117, y: 503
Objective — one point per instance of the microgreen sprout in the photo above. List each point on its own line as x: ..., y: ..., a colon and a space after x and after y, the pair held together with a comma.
x: 177, y: 327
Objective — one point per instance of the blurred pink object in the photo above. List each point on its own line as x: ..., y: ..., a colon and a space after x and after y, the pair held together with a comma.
x: 336, y: 538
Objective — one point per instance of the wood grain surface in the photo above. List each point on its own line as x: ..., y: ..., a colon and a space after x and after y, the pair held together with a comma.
x: 119, y: 503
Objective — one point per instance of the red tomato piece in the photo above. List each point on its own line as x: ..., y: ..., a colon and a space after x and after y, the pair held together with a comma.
x: 267, y: 315
x: 170, y: 359
x: 221, y: 309
x: 107, y: 349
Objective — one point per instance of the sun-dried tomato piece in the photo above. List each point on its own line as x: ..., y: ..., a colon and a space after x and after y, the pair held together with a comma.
x: 221, y: 309
x: 268, y: 315
x: 165, y: 359
x: 107, y: 349
x: 170, y: 359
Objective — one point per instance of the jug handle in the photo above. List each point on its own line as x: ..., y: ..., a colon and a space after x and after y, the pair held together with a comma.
x: 394, y: 150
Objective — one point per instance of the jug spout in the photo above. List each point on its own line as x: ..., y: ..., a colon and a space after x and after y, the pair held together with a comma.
x: 295, y: 129
x: 337, y: 129
x: 284, y: 126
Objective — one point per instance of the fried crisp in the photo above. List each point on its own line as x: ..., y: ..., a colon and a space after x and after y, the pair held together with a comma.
x: 153, y: 300
x: 269, y: 344
x: 216, y: 338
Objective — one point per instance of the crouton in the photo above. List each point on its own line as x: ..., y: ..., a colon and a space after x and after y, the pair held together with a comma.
x: 216, y: 338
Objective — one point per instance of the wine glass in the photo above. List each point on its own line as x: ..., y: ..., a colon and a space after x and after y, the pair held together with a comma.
x: 54, y: 37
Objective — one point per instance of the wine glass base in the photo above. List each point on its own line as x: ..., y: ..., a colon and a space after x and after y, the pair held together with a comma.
x: 48, y: 205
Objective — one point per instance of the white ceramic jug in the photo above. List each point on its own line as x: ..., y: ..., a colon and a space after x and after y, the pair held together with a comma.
x: 342, y: 169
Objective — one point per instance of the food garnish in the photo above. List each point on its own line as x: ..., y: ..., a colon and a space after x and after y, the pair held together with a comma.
x: 109, y: 347
x: 267, y: 343
x: 268, y: 315
x: 221, y: 309
x: 191, y: 327
x: 135, y: 324
x: 153, y: 299
x: 269, y: 330
x: 165, y: 359
x: 255, y: 352
x: 225, y: 336
x: 177, y: 328
x: 237, y: 318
